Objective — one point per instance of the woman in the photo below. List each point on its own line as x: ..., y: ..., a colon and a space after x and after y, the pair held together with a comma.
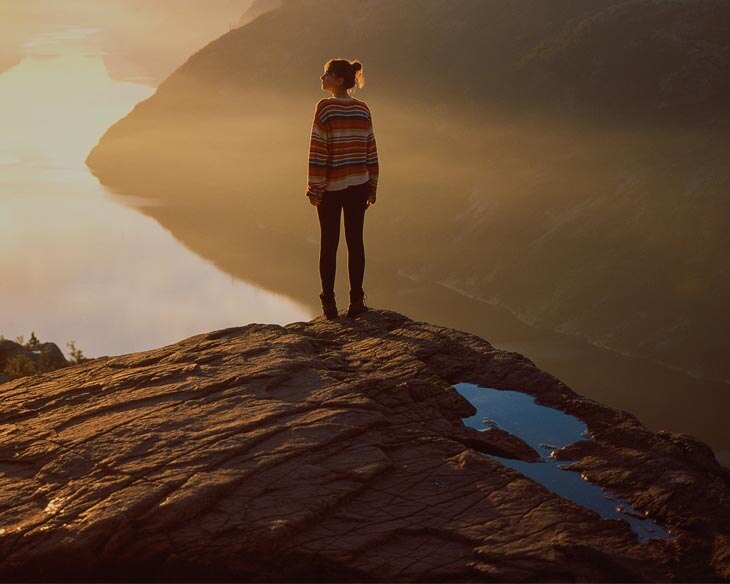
x: 343, y: 176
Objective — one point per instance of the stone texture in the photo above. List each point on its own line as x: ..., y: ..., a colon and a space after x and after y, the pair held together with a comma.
x: 331, y: 451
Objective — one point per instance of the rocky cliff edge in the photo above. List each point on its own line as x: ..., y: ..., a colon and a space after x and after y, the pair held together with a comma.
x: 332, y: 450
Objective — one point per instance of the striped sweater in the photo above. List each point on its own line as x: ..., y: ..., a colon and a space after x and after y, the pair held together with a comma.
x: 342, y: 149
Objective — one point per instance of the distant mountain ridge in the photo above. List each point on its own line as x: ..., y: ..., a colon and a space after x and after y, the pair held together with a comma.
x: 625, y: 59
x: 673, y: 56
x: 257, y: 8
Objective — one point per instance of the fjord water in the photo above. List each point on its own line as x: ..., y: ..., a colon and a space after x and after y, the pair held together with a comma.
x: 76, y: 262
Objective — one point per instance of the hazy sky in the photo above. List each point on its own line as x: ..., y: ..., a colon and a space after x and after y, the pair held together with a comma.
x: 141, y: 40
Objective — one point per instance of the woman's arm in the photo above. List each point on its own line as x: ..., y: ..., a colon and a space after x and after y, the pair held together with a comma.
x: 372, y: 161
x: 318, y: 153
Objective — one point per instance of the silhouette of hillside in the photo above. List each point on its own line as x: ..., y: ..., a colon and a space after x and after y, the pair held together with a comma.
x: 668, y: 59
x: 257, y: 8
x: 607, y: 58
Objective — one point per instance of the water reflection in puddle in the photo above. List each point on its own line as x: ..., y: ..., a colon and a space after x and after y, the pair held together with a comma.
x: 547, y: 429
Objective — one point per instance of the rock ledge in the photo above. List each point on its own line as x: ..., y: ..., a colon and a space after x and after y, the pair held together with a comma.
x: 331, y: 451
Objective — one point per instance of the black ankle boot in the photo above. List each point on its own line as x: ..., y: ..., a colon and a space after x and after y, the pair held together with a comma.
x: 357, y: 304
x: 329, y: 306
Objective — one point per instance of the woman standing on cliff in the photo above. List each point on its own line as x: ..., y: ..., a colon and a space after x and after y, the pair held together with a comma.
x: 343, y: 176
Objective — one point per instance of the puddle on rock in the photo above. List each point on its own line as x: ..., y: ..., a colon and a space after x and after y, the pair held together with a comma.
x: 547, y: 429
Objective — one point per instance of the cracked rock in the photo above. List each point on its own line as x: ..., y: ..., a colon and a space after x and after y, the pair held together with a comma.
x: 331, y: 451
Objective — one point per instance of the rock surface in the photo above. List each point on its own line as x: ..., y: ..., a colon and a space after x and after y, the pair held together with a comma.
x: 331, y: 450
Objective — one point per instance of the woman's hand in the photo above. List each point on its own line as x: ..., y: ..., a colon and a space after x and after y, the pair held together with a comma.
x: 371, y: 199
x: 315, y: 200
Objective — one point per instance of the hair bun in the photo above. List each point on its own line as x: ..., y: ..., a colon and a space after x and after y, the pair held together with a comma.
x: 356, y: 66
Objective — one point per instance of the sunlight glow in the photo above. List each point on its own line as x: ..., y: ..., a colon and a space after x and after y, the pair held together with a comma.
x: 54, y: 109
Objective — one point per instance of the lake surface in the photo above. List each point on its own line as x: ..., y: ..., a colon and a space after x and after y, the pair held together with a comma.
x: 77, y: 262
x: 118, y: 273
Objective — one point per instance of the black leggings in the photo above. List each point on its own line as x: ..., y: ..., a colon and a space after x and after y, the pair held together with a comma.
x: 353, y: 200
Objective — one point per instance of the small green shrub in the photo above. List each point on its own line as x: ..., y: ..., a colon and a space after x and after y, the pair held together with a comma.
x: 76, y: 355
x: 19, y: 366
x: 22, y: 365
